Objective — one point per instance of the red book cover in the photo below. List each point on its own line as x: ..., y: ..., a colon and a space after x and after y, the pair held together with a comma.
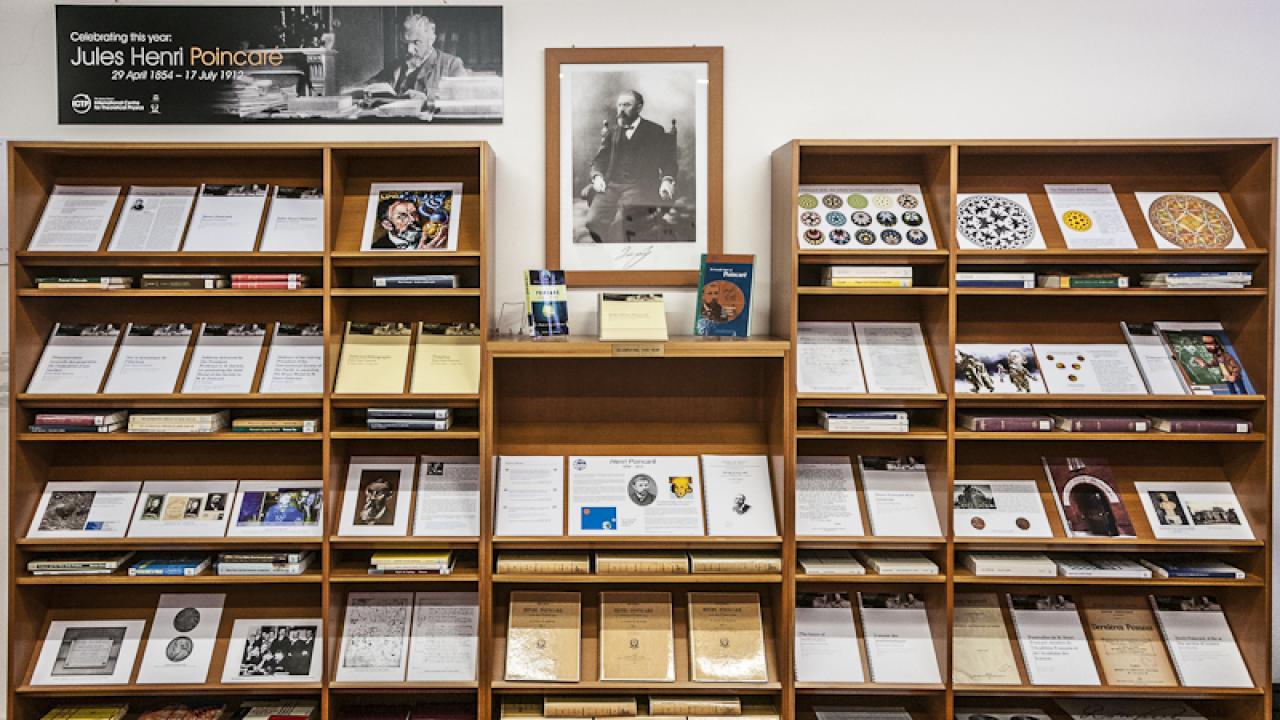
x: 1088, y: 498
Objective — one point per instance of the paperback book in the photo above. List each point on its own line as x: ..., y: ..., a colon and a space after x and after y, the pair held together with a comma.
x: 1088, y: 498
x: 724, y: 296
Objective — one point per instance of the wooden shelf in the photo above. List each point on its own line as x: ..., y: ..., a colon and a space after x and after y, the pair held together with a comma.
x: 837, y: 291
x: 1111, y: 691
x: 1250, y: 292
x: 964, y: 576
x: 598, y: 686
x: 123, y: 436
x: 1140, y: 256
x: 1111, y: 401
x: 133, y: 689
x: 1108, y: 544
x: 657, y: 579
x: 650, y: 542
x: 1058, y: 436
x: 459, y: 431
x: 869, y: 578
x: 139, y: 293
x: 169, y: 400
x: 355, y: 258
x: 871, y: 400
x: 157, y: 544
x: 815, y: 688
x: 401, y: 543
x: 310, y: 576
x: 405, y: 292
x: 170, y: 259
x: 401, y: 687
x: 677, y: 346
x: 815, y: 432
x: 878, y: 257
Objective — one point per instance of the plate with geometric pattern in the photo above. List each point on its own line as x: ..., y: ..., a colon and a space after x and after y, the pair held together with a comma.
x: 996, y: 221
x: 1189, y: 221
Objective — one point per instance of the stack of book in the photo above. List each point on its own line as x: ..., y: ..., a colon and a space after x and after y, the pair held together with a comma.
x: 171, y: 565
x: 995, y: 279
x: 898, y: 562
x: 415, y: 282
x: 183, y: 281
x: 264, y: 562
x: 539, y: 562
x: 193, y: 422
x: 1203, y: 280
x: 275, y: 425
x: 1006, y: 422
x: 268, y: 281
x: 864, y: 421
x: 182, y: 712
x: 830, y: 562
x: 79, y: 422
x: 1097, y: 565
x: 641, y: 562
x: 998, y: 564
x: 854, y: 276
x: 412, y: 562
x: 93, y: 563
x: 84, y: 282
x: 1191, y: 567
x: 1083, y: 280
x: 86, y: 712
x: 740, y: 561
x: 409, y: 419
x: 277, y: 709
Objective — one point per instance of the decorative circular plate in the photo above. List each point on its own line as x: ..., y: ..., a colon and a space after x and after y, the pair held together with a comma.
x: 831, y: 201
x: 865, y: 237
x: 813, y: 236
x: 858, y: 202
x: 908, y: 202
x: 995, y: 223
x: 1077, y: 220
x: 916, y: 236
x: 840, y: 236
x: 835, y: 218
x: 860, y: 218
x: 1190, y: 222
x: 886, y: 218
x: 808, y: 202
x: 891, y: 237
x: 913, y: 218
x: 809, y: 218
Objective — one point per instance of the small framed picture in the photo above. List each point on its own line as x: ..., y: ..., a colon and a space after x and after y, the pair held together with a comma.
x: 278, y: 508
x: 88, y: 652
x: 183, y: 509
x: 412, y: 217
x: 378, y: 496
x: 274, y: 651
x: 633, y: 163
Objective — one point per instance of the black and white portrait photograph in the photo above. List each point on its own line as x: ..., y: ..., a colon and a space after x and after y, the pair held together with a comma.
x: 377, y: 497
x: 642, y: 490
x: 637, y: 156
x: 273, y: 651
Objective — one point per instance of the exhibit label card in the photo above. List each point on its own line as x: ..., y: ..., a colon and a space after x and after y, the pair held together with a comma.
x: 827, y: 358
x: 1090, y: 217
x: 149, y: 360
x: 176, y: 508
x: 375, y: 637
x: 88, y: 652
x: 739, y: 495
x: 84, y: 509
x: 278, y: 508
x: 225, y: 358
x: 864, y: 217
x: 826, y: 497
x: 1090, y: 368
x: 295, y: 220
x: 153, y: 219
x: 226, y: 218
x: 75, y: 359
x: 445, y: 637
x: 530, y: 495
x: 998, y: 508
x: 1193, y: 510
x: 658, y: 495
x: 448, y: 497
x: 826, y: 641
x: 295, y: 361
x: 378, y: 496
x: 75, y: 218
x: 183, y: 635
x: 895, y: 358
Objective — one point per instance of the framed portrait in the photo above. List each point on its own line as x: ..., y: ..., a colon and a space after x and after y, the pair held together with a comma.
x: 412, y: 217
x: 634, y: 163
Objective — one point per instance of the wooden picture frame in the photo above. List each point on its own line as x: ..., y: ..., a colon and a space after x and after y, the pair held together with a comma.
x: 692, y: 208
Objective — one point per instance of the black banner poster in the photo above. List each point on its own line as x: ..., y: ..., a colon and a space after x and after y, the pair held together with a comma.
x: 164, y: 64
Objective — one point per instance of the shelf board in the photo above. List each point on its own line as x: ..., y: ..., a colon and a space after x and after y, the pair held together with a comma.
x: 1114, y: 292
x: 1114, y: 691
x: 1131, y: 256
x: 139, y: 293
x: 398, y: 687
x: 646, y: 542
x: 311, y: 575
x: 366, y: 400
x: 661, y: 579
x: 350, y: 575
x: 873, y: 257
x: 132, y: 689
x: 878, y: 400
x: 827, y: 688
x: 1047, y: 400
x: 405, y: 292
x: 459, y: 431
x: 869, y: 578
x: 870, y: 542
x: 678, y: 346
x: 823, y: 290
x: 123, y: 436
x: 157, y: 544
x: 1154, y: 436
x: 964, y: 576
x: 690, y: 436
x: 342, y: 542
x: 644, y: 687
x: 1108, y: 544
x: 360, y: 258
x: 169, y: 400
x: 815, y: 432
x: 170, y: 259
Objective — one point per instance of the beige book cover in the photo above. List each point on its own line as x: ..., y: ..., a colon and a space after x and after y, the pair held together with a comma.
x: 374, y: 358
x: 544, y: 635
x: 535, y: 562
x: 735, y: 562
x: 632, y: 317
x: 982, y: 653
x: 520, y: 708
x: 636, y: 641
x: 1127, y: 641
x: 588, y: 707
x: 726, y: 638
x: 654, y: 562
x: 446, y: 360
x: 694, y: 705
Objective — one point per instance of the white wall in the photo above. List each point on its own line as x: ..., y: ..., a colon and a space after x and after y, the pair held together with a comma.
x: 809, y: 69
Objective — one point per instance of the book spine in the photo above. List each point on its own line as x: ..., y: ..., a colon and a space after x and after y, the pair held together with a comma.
x: 736, y: 565
x: 866, y: 271
x: 274, y: 558
x: 869, y: 282
x: 543, y: 567
x: 694, y: 706
x: 1103, y: 425
x: 236, y: 569
x: 407, y: 414
x: 588, y: 708
x: 268, y: 277
x: 1202, y: 425
x: 155, y: 571
x: 272, y: 429
x: 641, y: 567
x: 78, y: 419
x: 194, y: 284
x: 419, y: 425
x: 266, y: 285
x: 1013, y: 284
x: 74, y: 428
x: 1006, y: 424
x: 411, y: 283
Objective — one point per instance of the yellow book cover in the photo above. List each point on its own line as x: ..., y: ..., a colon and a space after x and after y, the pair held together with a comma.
x: 869, y: 282
x: 735, y: 562
x: 627, y: 317
x: 726, y: 638
x: 1128, y: 643
x: 533, y: 562
x: 544, y: 636
x: 411, y: 557
x: 982, y: 653
x: 636, y: 642
x: 588, y: 707
x: 520, y: 707
x: 446, y: 360
x: 374, y: 358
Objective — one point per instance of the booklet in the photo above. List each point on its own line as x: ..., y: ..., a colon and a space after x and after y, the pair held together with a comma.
x: 77, y: 509
x: 981, y: 651
x: 1090, y: 368
x: 295, y: 220
x: 530, y: 495
x: 1055, y: 650
x: 295, y: 360
x: 446, y: 360
x: 827, y: 359
x: 899, y: 642
x: 894, y: 358
x: 1087, y: 497
x: 88, y: 652
x: 225, y: 359
x: 899, y: 497
x: 153, y: 219
x: 1193, y: 510
x: 226, y: 218
x: 75, y: 218
x: 278, y: 508
x: 378, y: 496
x: 183, y: 508
x: 998, y: 508
x: 1189, y: 221
x: 448, y: 501
x: 998, y: 368
x: 996, y: 221
x: 739, y: 495
x: 149, y: 360
x: 1200, y: 642
x: 75, y: 359
x: 1090, y: 217
x: 374, y: 358
x: 184, y: 631
x: 659, y: 495
x: 445, y: 642
x: 826, y: 641
x: 375, y: 637
x: 826, y: 497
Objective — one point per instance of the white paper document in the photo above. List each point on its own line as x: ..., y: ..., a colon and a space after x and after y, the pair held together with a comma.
x: 1200, y: 641
x: 295, y: 220
x: 278, y: 508
x: 183, y: 508
x: 75, y: 218
x: 149, y: 360
x: 76, y: 509
x: 1193, y: 511
x: 998, y: 508
x: 88, y: 652
x: 225, y: 359
x: 530, y: 495
x: 1090, y: 368
x: 274, y: 650
x: 375, y: 637
x: 378, y: 496
x: 899, y: 643
x: 153, y: 219
x: 445, y: 637
x: 1107, y: 709
x: 899, y: 497
x: 1154, y: 360
x: 75, y: 359
x: 1055, y: 650
x: 226, y: 218
x: 827, y: 358
x: 658, y: 495
x: 184, y: 632
x: 894, y: 358
x: 826, y: 641
x: 1090, y: 217
x: 739, y: 495
x: 295, y: 360
x: 996, y: 221
x: 826, y: 497
x: 448, y: 497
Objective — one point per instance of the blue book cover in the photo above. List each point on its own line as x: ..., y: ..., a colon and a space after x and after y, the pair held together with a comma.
x: 724, y: 296
x: 546, y: 302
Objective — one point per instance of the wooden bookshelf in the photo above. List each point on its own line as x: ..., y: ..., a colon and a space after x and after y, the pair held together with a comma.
x: 1244, y: 171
